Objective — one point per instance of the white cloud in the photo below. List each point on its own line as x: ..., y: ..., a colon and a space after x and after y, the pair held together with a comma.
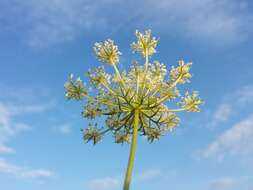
x: 17, y: 171
x: 63, y: 129
x: 234, y: 141
x: 106, y: 183
x: 37, y: 173
x: 111, y: 183
x: 27, y: 94
x: 50, y: 22
x: 9, y: 127
x: 6, y: 149
x: 223, y: 183
x: 4, y: 115
x: 231, y: 105
x: 6, y: 132
x: 31, y: 108
x: 207, y: 19
x: 149, y: 174
x: 244, y: 96
x: 22, y: 127
x: 220, y: 115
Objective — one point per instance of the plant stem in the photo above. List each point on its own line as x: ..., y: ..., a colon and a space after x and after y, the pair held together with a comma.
x: 132, y: 151
x: 145, y: 75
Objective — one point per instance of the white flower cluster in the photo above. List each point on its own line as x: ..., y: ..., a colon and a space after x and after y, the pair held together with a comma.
x: 181, y: 73
x: 75, y: 89
x: 145, y: 45
x: 107, y: 52
x: 99, y: 77
x: 191, y: 102
x: 158, y: 69
x: 145, y: 87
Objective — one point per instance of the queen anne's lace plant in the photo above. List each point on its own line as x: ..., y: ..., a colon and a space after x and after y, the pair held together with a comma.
x: 142, y: 101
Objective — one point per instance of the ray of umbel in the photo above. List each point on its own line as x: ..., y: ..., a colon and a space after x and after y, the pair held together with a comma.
x: 134, y: 102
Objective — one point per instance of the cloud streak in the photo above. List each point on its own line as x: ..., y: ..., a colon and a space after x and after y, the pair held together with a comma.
x: 9, y: 128
x: 231, y: 105
x: 6, y: 149
x: 106, y: 183
x: 17, y: 171
x: 64, y: 129
x: 234, y: 141
x: 110, y: 183
x: 202, y: 19
x: 149, y: 174
x: 223, y: 183
x: 53, y: 22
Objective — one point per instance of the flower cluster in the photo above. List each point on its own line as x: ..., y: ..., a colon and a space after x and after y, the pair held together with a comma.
x: 92, y: 134
x: 145, y: 44
x: 107, y: 52
x: 75, y: 89
x: 181, y: 73
x: 191, y: 103
x: 145, y: 89
x: 99, y: 77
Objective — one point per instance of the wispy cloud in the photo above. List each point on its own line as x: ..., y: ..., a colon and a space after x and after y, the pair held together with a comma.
x: 232, y: 104
x: 9, y: 128
x: 6, y: 149
x: 23, y: 172
x: 64, y: 129
x: 52, y: 22
x: 6, y: 130
x: 149, y: 174
x: 24, y: 94
x: 234, y: 141
x: 202, y: 19
x: 221, y: 115
x: 110, y: 183
x: 16, y: 102
x: 12, y: 110
x: 106, y: 183
x: 223, y: 183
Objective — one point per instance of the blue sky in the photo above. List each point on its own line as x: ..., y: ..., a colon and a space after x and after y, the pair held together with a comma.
x: 42, y: 41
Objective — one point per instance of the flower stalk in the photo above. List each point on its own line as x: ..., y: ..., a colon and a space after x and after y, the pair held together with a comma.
x: 130, y: 165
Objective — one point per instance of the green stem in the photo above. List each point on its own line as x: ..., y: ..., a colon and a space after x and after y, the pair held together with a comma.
x: 118, y: 74
x: 132, y: 152
x: 145, y: 75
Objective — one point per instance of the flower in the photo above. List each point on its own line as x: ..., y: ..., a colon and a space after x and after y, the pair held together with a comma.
x: 91, y: 110
x: 75, y: 89
x: 146, y: 88
x: 92, y: 134
x: 170, y: 120
x: 122, y: 138
x: 107, y: 52
x: 190, y: 102
x: 145, y: 44
x: 181, y: 73
x: 153, y: 134
x: 98, y: 76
